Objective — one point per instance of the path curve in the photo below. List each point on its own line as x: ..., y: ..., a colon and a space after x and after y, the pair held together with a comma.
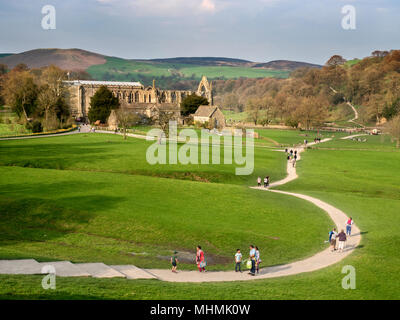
x: 318, y: 261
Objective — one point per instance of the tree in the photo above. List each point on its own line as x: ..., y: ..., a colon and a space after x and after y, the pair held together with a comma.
x: 335, y: 60
x: 21, y: 67
x: 253, y: 109
x: 51, y: 100
x: 126, y: 117
x: 311, y: 112
x: 231, y: 102
x: 164, y: 117
x: 190, y: 104
x: 101, y: 105
x: 3, y: 69
x: 20, y: 92
x: 393, y: 128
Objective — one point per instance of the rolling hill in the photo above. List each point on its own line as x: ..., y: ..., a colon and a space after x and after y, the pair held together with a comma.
x: 167, y: 72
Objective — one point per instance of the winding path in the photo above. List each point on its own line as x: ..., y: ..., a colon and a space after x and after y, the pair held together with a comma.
x: 318, y: 261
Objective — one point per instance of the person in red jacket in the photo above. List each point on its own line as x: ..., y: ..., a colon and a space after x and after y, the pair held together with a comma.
x: 200, y: 260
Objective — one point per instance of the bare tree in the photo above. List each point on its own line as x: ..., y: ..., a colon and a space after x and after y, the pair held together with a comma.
x: 335, y: 60
x: 393, y: 128
x: 164, y: 117
x: 126, y: 117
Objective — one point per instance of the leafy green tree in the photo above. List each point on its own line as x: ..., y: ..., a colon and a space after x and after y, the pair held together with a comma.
x: 101, y: 105
x: 190, y: 104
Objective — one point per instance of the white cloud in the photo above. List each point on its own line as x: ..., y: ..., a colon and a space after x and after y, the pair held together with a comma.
x: 163, y: 7
x: 208, y: 5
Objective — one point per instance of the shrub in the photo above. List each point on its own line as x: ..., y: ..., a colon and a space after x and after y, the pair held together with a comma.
x: 35, y: 126
x: 291, y: 123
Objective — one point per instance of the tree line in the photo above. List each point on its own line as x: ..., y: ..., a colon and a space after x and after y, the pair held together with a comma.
x: 37, y: 96
x: 310, y: 96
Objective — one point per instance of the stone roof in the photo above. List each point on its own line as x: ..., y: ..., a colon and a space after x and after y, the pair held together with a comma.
x: 105, y: 83
x: 205, y: 111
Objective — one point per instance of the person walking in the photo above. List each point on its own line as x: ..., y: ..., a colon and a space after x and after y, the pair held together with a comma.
x: 268, y: 181
x: 258, y: 260
x: 333, y: 239
x: 200, y: 260
x: 238, y: 261
x: 294, y: 160
x: 349, y: 223
x: 252, y: 258
x: 259, y: 181
x: 342, y: 239
x: 265, y: 182
x: 174, y: 262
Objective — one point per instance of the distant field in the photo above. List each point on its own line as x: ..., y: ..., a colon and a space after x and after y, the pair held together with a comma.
x: 144, y: 71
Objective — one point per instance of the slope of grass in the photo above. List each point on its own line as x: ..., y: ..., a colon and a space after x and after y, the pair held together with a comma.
x: 110, y: 153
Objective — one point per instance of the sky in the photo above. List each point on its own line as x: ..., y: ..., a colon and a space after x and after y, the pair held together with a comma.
x: 256, y: 30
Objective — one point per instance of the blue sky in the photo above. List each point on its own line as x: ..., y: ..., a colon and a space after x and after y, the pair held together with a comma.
x: 257, y: 30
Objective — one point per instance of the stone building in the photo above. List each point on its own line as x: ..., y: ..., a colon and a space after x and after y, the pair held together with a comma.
x: 144, y: 100
x: 210, y: 114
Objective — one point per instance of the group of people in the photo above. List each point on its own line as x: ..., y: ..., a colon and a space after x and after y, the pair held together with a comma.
x: 254, y: 257
x: 266, y: 181
x: 317, y: 140
x: 334, y: 236
x: 200, y: 260
x: 291, y: 156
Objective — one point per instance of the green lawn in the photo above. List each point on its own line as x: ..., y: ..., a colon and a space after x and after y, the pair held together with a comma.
x: 110, y: 153
x: 363, y: 183
x: 93, y: 197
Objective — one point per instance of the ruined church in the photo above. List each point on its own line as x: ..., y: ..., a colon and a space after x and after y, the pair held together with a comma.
x: 143, y: 100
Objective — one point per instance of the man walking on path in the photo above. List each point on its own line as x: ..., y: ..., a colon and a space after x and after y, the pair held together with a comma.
x: 342, y: 240
x: 238, y: 261
x: 333, y: 239
x: 259, y: 181
x: 252, y: 257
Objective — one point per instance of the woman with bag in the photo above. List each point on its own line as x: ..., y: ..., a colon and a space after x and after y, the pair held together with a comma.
x: 200, y: 260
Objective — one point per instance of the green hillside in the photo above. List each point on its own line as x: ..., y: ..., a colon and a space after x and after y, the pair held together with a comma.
x: 165, y: 72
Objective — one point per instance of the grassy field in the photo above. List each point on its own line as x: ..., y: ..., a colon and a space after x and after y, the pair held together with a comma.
x: 363, y: 183
x: 110, y: 153
x: 9, y: 125
x: 93, y: 197
x: 145, y: 71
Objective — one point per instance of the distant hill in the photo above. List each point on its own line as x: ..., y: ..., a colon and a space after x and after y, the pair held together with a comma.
x: 169, y: 73
x: 285, y: 65
x: 68, y: 59
x: 207, y: 61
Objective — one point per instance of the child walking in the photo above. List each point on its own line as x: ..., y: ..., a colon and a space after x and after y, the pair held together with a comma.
x: 174, y: 262
x: 238, y: 261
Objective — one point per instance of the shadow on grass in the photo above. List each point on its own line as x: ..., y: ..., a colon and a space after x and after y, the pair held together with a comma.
x: 36, y: 219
